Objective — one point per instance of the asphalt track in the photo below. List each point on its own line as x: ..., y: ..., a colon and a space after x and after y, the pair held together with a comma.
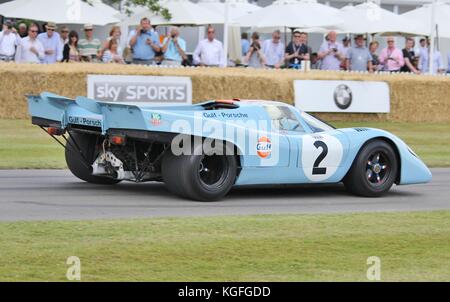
x: 57, y: 195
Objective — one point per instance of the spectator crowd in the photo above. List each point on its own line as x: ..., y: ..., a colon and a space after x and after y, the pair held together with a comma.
x: 348, y: 55
x: 144, y: 46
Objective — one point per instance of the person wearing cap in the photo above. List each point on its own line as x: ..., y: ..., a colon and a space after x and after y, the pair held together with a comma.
x: 23, y: 30
x: 9, y: 39
x: 52, y: 44
x: 359, y: 57
x: 89, y: 47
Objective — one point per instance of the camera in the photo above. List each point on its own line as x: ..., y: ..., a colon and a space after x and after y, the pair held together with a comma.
x: 9, y: 25
x: 256, y: 45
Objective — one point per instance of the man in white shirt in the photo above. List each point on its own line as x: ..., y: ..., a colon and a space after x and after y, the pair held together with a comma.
x: 273, y: 50
x: 331, y: 53
x: 9, y: 39
x: 52, y: 44
x: 424, y: 61
x: 209, y: 52
x: 448, y: 62
x: 30, y: 49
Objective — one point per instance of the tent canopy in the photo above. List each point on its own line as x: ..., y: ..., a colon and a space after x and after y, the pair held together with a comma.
x: 236, y: 8
x: 371, y: 18
x: 442, y: 18
x: 62, y: 12
x: 184, y: 12
x: 293, y: 14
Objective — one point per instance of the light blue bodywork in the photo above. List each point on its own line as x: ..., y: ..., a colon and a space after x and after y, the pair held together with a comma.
x: 291, y: 155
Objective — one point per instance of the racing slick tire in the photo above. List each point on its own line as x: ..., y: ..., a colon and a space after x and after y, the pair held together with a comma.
x: 374, y: 170
x: 75, y: 162
x: 199, y: 177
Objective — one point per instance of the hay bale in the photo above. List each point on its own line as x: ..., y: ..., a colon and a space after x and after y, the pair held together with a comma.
x: 413, y: 98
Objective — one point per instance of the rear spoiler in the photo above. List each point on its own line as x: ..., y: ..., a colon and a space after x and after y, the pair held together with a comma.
x: 52, y: 107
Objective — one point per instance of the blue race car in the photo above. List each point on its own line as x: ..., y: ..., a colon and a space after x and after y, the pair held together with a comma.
x: 201, y: 151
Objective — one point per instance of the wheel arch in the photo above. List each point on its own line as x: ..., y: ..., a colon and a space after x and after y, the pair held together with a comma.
x: 394, y: 147
x: 237, y: 151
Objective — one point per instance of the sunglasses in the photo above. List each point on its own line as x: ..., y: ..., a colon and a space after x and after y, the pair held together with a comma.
x: 390, y: 41
x: 88, y: 30
x: 50, y: 29
x: 33, y: 31
x: 211, y: 32
x: 65, y: 31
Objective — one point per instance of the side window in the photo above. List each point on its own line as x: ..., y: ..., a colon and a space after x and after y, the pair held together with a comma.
x: 283, y: 118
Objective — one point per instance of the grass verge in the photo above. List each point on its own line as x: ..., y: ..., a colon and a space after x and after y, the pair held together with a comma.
x: 23, y: 146
x: 412, y: 247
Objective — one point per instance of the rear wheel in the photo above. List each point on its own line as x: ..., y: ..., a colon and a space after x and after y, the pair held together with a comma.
x: 80, y: 164
x: 374, y: 171
x: 199, y: 177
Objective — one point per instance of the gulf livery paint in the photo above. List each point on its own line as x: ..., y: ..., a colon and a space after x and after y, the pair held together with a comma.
x: 291, y: 147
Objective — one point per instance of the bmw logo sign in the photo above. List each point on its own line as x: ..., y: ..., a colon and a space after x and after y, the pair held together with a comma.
x: 343, y: 96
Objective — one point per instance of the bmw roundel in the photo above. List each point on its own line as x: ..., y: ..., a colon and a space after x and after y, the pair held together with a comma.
x: 343, y: 96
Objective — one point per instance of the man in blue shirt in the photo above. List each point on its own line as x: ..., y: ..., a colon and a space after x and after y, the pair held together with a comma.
x: 245, y: 44
x: 52, y: 44
x: 174, y: 48
x: 358, y: 58
x: 145, y: 43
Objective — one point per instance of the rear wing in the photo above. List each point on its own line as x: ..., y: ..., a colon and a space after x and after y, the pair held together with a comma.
x: 84, y: 112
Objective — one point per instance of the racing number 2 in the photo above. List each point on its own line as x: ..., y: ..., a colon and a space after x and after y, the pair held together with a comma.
x: 316, y: 169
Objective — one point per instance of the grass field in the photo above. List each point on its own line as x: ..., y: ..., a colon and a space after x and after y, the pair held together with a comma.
x: 411, y: 246
x: 23, y: 146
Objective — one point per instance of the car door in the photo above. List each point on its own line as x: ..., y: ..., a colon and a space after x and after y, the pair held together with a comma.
x: 322, y: 151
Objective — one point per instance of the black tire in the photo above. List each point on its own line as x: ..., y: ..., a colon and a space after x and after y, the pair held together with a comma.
x: 199, y: 177
x: 374, y: 170
x: 87, y: 143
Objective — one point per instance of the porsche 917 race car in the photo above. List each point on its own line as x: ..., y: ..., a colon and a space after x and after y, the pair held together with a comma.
x: 201, y: 151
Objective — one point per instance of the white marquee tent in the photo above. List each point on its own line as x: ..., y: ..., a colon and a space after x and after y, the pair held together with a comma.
x: 61, y: 12
x: 293, y: 14
x: 370, y: 18
x: 442, y: 18
x: 183, y: 12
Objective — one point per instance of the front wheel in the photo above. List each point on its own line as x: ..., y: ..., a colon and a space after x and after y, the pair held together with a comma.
x: 199, y: 177
x: 374, y: 170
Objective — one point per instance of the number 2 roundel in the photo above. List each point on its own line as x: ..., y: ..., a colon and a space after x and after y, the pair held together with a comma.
x: 321, y: 156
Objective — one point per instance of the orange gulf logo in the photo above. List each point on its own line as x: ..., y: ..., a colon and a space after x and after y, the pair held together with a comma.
x: 264, y: 147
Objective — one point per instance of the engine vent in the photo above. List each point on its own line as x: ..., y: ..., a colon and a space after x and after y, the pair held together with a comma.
x: 361, y: 129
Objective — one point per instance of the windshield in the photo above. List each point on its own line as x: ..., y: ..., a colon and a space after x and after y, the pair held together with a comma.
x: 283, y: 118
x: 316, y: 124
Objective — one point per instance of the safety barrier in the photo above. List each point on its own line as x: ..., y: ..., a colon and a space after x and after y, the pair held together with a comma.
x: 413, y: 98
